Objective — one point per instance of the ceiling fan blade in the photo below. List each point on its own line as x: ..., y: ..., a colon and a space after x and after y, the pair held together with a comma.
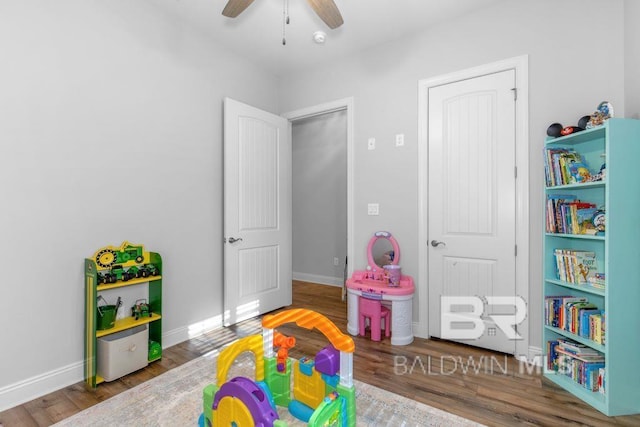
x: 328, y: 12
x: 235, y: 7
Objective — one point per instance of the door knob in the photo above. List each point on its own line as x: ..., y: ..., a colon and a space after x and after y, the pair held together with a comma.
x: 233, y: 239
x: 435, y: 243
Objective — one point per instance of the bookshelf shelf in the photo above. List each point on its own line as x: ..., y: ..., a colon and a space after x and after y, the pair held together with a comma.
x: 577, y: 338
x: 578, y: 138
x: 617, y: 254
x: 582, y: 288
x: 576, y: 236
x: 577, y: 186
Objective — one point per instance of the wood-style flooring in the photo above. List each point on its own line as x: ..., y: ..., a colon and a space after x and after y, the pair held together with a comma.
x: 479, y: 385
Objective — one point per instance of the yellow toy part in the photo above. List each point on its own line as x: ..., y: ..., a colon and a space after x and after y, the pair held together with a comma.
x: 232, y: 412
x: 308, y: 389
x: 252, y: 343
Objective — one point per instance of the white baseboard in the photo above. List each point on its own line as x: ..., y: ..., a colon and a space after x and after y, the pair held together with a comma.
x: 418, y: 332
x: 534, y: 356
x: 316, y: 278
x: 175, y: 336
x: 184, y: 333
x: 26, y: 390
x: 23, y: 391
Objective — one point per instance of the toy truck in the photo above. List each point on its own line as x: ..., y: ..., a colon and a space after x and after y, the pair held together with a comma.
x: 141, y: 309
x: 147, y: 270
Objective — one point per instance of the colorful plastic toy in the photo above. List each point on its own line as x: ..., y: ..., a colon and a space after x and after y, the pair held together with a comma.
x: 141, y: 309
x: 323, y: 393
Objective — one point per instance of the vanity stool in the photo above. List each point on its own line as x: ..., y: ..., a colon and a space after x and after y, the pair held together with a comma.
x: 376, y: 312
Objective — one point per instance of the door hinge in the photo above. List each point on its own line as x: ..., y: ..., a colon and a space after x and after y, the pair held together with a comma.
x: 515, y: 171
x: 515, y: 252
x: 515, y: 93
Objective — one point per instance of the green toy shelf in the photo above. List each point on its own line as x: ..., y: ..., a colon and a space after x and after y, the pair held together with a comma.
x: 112, y: 268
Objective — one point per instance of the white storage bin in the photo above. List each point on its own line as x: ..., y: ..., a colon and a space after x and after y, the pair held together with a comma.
x: 123, y: 352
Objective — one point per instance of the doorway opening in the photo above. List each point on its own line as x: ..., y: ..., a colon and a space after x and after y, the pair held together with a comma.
x: 322, y: 192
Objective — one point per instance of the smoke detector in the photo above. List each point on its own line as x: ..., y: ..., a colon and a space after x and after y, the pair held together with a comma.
x: 319, y: 37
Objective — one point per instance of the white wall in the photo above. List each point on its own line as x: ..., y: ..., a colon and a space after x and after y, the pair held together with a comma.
x: 110, y: 130
x: 573, y: 65
x: 319, y: 157
x: 632, y: 58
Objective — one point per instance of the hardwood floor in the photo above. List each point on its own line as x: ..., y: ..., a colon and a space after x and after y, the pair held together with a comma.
x: 496, y: 391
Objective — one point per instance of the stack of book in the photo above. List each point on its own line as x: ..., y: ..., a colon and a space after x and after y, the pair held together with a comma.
x: 566, y: 214
x: 575, y: 266
x: 563, y: 166
x: 597, y: 281
x: 579, y: 362
x: 576, y: 315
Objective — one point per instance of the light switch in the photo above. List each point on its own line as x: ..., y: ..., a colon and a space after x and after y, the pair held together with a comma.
x: 400, y: 140
x: 373, y: 209
x: 371, y: 144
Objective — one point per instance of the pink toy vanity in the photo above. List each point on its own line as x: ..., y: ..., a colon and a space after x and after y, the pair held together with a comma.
x: 374, y: 283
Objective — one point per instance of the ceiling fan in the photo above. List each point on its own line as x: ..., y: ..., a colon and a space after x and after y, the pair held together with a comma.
x: 326, y: 10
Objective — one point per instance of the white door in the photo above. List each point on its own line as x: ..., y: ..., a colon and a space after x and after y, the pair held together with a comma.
x: 472, y: 209
x: 257, y: 212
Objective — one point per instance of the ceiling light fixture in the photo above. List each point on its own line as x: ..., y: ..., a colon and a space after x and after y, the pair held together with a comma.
x: 319, y: 37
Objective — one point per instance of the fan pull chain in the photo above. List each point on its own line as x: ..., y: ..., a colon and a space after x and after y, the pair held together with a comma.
x: 285, y: 20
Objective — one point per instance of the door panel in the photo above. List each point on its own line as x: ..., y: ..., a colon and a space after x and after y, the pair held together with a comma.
x: 257, y: 212
x: 471, y: 208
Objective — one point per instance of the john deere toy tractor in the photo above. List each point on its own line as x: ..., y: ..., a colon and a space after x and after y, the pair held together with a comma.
x: 141, y: 309
x: 109, y: 256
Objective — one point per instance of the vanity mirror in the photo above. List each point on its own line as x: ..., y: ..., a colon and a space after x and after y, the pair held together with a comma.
x: 382, y: 250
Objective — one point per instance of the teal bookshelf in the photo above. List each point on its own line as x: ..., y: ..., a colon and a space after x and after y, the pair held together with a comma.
x: 618, y: 256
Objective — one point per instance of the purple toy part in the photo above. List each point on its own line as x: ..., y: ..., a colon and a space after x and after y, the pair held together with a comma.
x: 252, y: 396
x: 328, y: 361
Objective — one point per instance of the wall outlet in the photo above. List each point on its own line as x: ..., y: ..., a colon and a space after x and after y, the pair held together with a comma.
x: 336, y: 261
x: 373, y: 209
x: 371, y: 144
x: 399, y: 140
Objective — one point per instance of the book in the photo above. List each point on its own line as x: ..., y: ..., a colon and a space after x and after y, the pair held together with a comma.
x: 555, y: 205
x: 586, y: 266
x: 602, y: 380
x: 584, y: 218
x: 564, y: 321
x: 552, y: 166
x: 596, y: 328
x: 582, y: 357
x: 584, y: 327
x: 572, y: 311
x: 576, y: 348
x: 578, y: 171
